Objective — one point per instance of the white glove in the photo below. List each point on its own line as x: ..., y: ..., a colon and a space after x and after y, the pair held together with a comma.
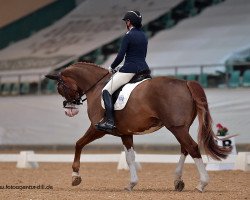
x: 111, y: 70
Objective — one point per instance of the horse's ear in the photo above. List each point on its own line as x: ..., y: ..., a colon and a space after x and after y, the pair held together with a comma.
x: 52, y: 76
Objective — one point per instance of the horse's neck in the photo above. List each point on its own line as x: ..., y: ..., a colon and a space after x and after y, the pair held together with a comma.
x: 88, y: 75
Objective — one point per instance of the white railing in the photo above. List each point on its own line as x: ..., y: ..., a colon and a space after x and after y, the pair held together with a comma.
x: 28, y: 159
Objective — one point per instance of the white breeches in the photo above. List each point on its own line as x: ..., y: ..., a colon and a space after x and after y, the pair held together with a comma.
x: 117, y: 80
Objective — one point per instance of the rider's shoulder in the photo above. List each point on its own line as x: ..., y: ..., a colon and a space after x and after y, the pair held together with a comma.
x: 129, y: 33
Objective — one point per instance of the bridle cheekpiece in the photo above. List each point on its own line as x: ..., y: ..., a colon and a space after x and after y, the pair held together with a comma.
x: 78, y: 100
x: 66, y: 88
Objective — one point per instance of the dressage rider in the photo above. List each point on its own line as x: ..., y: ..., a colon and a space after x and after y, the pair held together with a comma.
x: 134, y: 46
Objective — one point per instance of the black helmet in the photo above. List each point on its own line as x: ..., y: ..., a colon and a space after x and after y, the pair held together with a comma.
x: 134, y: 17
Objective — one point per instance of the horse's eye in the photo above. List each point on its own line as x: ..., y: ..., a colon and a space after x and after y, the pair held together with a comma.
x: 65, y: 103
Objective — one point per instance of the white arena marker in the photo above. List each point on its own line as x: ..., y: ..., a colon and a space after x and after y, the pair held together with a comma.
x: 23, y: 161
x: 242, y: 161
x: 224, y: 164
x: 28, y: 159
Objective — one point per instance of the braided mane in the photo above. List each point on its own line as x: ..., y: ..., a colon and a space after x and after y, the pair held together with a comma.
x: 80, y: 64
x: 80, y: 68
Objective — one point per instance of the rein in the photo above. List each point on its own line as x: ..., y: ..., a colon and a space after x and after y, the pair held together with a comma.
x: 79, y: 100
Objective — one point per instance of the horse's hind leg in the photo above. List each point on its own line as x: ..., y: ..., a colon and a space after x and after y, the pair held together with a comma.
x: 130, y: 158
x: 178, y: 182
x: 186, y: 141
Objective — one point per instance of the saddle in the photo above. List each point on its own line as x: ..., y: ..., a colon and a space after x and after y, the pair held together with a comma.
x: 145, y: 74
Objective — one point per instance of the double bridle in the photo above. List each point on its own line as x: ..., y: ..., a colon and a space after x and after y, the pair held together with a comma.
x: 78, y: 100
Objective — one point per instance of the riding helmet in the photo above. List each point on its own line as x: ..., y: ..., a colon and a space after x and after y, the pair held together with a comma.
x: 134, y: 17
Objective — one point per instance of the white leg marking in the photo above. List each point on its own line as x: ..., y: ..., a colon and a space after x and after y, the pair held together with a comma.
x: 204, y: 178
x: 76, y: 178
x: 130, y: 158
x: 178, y: 183
x: 179, y: 168
x: 75, y: 174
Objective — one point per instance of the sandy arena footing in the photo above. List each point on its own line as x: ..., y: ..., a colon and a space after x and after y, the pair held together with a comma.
x: 103, y: 181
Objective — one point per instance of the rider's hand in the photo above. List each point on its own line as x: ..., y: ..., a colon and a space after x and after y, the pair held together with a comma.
x: 111, y: 70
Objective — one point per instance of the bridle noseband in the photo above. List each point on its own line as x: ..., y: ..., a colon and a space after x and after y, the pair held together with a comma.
x: 78, y: 100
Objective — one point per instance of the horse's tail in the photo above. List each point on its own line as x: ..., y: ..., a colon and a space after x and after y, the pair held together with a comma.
x: 206, y: 136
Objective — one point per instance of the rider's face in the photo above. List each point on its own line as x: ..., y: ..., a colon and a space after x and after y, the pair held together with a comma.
x: 128, y: 24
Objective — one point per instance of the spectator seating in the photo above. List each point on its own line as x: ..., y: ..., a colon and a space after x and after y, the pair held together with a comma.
x: 234, y: 80
x: 203, y: 80
x: 191, y: 77
x: 6, y: 89
x: 209, y: 38
x: 246, y: 78
x: 88, y: 27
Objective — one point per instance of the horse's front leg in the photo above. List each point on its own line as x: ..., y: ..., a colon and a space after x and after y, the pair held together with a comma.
x: 91, y: 135
x: 130, y: 158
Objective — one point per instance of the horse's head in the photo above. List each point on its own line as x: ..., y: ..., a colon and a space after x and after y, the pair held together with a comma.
x: 77, y: 80
x: 68, y: 88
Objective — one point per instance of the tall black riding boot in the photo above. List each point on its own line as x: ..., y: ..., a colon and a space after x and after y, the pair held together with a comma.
x: 108, y: 124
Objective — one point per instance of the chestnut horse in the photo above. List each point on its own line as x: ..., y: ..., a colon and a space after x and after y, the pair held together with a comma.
x: 157, y: 102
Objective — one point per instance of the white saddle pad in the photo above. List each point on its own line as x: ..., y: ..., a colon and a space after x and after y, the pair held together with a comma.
x: 124, y: 95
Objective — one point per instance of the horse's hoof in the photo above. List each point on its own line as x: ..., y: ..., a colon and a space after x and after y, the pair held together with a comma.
x: 201, y: 186
x: 76, y: 180
x: 199, y: 189
x: 130, y: 186
x: 179, y: 185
